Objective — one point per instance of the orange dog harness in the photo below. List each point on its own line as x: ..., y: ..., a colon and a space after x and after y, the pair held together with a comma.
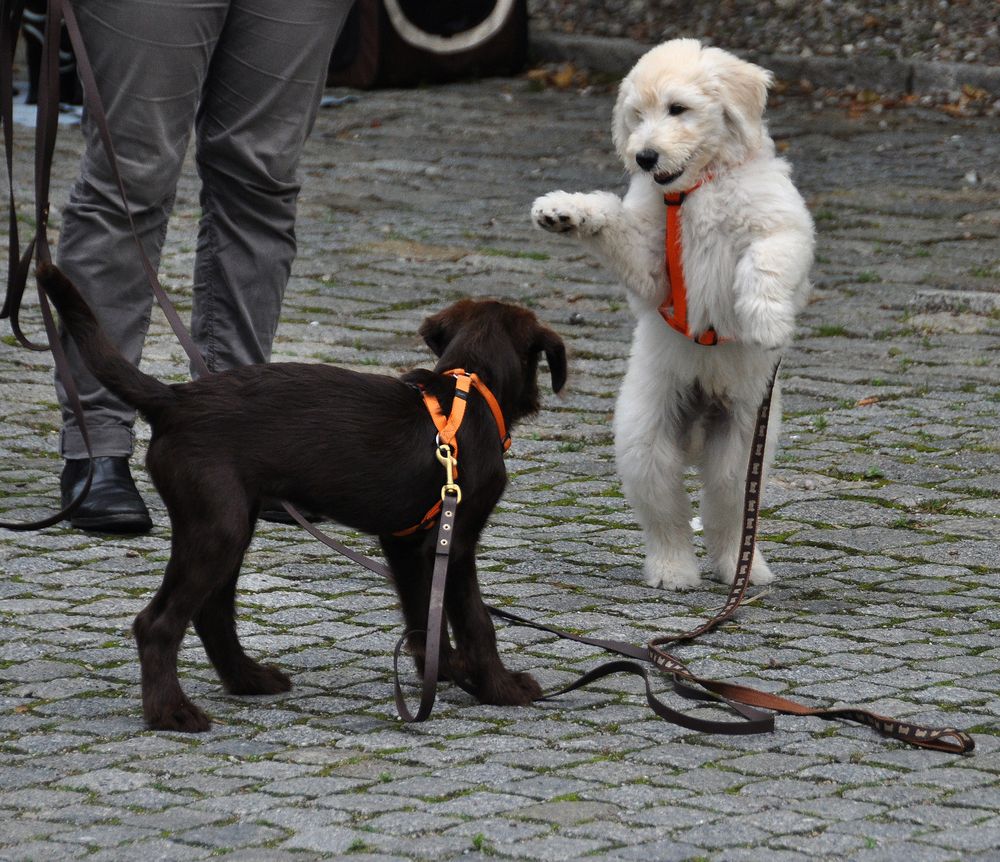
x: 448, y: 426
x: 674, y: 308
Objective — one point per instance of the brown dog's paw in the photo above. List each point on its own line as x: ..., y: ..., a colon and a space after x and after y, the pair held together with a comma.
x: 182, y: 715
x: 259, y: 679
x: 513, y: 689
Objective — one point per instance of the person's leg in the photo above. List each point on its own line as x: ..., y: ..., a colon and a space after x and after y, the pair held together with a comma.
x: 150, y: 61
x: 259, y: 105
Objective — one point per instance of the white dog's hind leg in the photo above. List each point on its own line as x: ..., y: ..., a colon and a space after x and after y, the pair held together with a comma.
x: 654, y: 486
x: 652, y: 471
x: 723, y: 468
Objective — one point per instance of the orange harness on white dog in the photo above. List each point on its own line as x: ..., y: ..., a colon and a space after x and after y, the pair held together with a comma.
x: 674, y: 308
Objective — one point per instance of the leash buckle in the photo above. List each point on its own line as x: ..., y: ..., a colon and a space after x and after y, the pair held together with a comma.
x: 446, y: 456
x: 451, y: 490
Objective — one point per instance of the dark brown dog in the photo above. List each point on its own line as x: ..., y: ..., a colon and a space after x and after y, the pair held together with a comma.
x: 358, y: 448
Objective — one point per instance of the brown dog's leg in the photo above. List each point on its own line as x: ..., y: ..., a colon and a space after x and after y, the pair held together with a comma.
x: 215, y: 623
x: 211, y: 531
x: 475, y: 639
x: 159, y: 629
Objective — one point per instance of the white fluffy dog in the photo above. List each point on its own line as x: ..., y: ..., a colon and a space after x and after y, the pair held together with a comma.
x: 690, y: 119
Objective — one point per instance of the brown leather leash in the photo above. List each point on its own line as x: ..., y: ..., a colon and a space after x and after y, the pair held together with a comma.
x: 20, y: 264
x: 637, y: 660
x: 435, y: 617
x: 948, y: 739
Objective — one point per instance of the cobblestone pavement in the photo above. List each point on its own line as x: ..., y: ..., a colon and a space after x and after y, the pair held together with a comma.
x: 881, y: 523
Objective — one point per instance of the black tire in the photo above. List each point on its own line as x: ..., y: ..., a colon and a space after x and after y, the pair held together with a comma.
x: 411, y: 42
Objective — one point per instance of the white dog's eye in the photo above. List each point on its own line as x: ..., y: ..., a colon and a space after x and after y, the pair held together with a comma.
x: 676, y: 110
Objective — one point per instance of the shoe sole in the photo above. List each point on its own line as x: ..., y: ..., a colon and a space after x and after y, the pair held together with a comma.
x: 125, y: 524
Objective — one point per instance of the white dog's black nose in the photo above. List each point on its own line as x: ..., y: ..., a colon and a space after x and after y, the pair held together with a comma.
x: 645, y: 159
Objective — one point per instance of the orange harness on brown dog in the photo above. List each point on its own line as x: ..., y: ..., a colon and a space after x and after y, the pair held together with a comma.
x: 674, y: 308
x: 447, y: 436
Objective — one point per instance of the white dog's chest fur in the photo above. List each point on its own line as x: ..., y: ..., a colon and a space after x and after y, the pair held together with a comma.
x: 720, y: 222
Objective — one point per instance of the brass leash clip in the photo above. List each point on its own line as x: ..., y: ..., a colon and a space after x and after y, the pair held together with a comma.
x: 445, y: 456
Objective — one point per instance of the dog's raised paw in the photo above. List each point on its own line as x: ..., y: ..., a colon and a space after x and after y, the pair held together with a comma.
x: 558, y: 212
x: 769, y: 324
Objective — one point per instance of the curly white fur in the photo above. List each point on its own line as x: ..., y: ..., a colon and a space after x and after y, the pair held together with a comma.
x: 685, y: 114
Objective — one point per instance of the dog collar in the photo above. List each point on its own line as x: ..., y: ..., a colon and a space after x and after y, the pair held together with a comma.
x: 448, y: 426
x: 674, y: 308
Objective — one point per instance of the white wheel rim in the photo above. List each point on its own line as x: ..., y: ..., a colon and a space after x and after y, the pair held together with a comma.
x: 465, y: 41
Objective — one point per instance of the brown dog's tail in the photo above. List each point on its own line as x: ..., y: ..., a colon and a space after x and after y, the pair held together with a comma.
x: 145, y: 393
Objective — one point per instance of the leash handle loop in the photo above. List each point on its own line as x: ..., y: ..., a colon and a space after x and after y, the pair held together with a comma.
x: 19, y: 266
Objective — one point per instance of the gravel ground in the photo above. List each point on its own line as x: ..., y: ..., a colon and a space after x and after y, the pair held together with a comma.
x: 963, y: 31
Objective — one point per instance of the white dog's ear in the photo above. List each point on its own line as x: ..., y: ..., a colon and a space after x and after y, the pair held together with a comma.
x: 743, y: 90
x: 619, y: 131
x: 619, y: 124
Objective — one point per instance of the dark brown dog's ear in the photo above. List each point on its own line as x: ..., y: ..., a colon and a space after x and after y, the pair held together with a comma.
x: 555, y: 355
x: 439, y: 329
x: 435, y: 333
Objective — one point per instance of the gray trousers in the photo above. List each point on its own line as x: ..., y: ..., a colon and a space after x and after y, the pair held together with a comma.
x: 246, y: 76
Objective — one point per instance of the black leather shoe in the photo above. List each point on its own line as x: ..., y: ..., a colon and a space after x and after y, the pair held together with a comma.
x: 112, y: 504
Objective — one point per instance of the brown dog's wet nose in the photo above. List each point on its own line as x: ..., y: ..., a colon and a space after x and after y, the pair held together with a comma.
x: 645, y: 159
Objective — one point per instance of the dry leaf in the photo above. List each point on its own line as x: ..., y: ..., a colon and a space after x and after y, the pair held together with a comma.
x: 564, y: 76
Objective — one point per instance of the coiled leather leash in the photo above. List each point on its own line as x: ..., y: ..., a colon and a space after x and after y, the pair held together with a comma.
x: 640, y: 660
x: 740, y: 697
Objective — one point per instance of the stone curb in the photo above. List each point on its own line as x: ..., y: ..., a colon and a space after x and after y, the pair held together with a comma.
x: 617, y: 56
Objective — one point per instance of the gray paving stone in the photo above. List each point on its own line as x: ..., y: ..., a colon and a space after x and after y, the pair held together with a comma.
x: 666, y: 850
x: 723, y: 834
x: 235, y: 835
x: 673, y: 816
x: 159, y: 849
x: 173, y: 820
x: 418, y: 847
x: 911, y: 850
x: 42, y: 850
x: 482, y: 803
x: 555, y: 849
x: 496, y: 832
x: 325, y: 839
x: 568, y: 813
x: 828, y: 845
x: 108, y: 780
